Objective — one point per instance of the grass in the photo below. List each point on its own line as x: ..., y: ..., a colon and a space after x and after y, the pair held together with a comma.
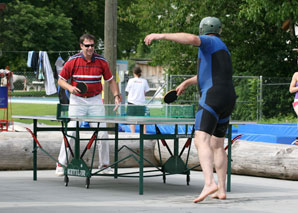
x: 42, y: 93
x: 50, y: 109
x: 43, y: 109
x: 33, y: 109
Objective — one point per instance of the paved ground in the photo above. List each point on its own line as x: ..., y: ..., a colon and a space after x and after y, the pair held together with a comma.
x: 19, y: 193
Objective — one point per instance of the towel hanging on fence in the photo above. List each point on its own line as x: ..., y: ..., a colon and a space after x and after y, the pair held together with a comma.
x: 50, y: 85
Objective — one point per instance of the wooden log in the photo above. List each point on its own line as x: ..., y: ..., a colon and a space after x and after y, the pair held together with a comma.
x: 250, y: 158
x: 265, y: 160
x: 16, y: 150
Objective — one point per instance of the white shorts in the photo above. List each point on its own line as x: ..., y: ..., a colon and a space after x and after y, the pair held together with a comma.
x: 79, y: 106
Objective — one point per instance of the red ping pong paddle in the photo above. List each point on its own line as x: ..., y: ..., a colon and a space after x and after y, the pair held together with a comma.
x: 82, y: 87
x: 170, y: 96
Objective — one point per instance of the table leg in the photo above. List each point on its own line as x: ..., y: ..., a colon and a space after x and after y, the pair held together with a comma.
x: 116, y: 151
x: 34, y: 150
x: 141, y: 160
x: 77, y: 141
x: 176, y: 142
x: 229, y: 158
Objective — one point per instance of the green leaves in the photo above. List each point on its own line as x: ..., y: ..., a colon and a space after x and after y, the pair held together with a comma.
x: 251, y: 30
x: 25, y: 27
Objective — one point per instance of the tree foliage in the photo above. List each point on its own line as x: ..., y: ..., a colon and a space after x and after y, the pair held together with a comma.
x: 164, y: 16
x: 251, y: 30
x: 255, y: 32
x: 25, y: 27
x: 57, y: 25
x: 270, y: 46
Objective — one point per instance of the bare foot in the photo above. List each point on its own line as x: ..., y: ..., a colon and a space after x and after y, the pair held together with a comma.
x: 218, y: 195
x: 207, y: 190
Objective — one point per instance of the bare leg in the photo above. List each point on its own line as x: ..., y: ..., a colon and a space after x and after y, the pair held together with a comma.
x: 220, y: 161
x: 132, y: 128
x: 202, y: 142
x: 296, y: 110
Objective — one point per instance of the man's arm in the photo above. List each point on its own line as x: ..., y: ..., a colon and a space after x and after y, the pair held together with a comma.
x: 182, y: 87
x: 115, y: 90
x: 67, y: 86
x: 182, y: 38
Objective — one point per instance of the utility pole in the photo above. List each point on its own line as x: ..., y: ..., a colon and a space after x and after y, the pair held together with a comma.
x: 110, y: 44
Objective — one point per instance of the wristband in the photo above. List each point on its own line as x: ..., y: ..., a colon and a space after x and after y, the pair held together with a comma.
x: 117, y: 96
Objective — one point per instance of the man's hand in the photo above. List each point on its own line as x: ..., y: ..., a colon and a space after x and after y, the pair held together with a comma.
x: 68, y: 86
x: 74, y: 90
x: 118, y: 100
x: 151, y: 37
x: 181, y: 88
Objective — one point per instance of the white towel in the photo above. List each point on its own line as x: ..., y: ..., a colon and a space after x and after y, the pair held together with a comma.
x: 50, y: 85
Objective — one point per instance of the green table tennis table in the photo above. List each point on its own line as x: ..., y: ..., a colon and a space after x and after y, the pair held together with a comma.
x: 171, y: 115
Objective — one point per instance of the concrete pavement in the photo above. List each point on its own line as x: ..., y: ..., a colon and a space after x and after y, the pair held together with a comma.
x: 19, y: 193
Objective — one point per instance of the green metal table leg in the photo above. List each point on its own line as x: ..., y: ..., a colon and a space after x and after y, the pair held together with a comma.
x: 176, y: 142
x: 141, y: 161
x: 77, y: 166
x: 116, y: 151
x: 175, y: 164
x: 77, y: 142
x: 229, y: 158
x: 34, y: 150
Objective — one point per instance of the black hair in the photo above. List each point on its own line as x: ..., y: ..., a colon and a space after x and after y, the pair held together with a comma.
x: 137, y: 71
x: 88, y: 37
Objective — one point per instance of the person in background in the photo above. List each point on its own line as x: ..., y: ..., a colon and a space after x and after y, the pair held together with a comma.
x: 88, y: 67
x: 136, y: 88
x: 294, y: 89
x: 214, y: 79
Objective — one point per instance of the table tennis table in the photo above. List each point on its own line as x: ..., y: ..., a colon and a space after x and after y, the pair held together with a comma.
x: 77, y: 167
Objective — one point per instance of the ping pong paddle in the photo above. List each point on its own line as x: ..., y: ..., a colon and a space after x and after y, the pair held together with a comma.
x: 82, y: 87
x: 170, y: 96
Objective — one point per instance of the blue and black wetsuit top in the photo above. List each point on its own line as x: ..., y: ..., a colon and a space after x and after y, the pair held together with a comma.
x: 215, y: 86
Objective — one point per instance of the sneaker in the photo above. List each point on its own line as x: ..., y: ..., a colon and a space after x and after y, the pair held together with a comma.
x: 59, y: 170
x: 108, y: 170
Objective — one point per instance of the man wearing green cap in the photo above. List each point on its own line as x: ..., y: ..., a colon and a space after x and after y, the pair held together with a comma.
x: 217, y: 100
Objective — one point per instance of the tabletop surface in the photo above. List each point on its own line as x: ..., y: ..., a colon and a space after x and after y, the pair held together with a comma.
x: 110, y: 119
x: 153, y: 114
x: 125, y: 119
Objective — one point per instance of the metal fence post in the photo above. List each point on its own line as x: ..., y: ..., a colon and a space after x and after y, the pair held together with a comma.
x: 168, y: 82
x: 261, y: 99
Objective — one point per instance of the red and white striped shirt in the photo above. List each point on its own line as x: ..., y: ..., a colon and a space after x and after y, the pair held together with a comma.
x: 78, y: 69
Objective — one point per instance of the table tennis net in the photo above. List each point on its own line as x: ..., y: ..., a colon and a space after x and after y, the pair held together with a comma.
x: 173, y: 111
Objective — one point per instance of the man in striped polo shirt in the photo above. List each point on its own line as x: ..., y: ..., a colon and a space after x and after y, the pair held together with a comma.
x: 87, y: 67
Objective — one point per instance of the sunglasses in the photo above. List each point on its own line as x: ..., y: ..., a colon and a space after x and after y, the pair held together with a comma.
x: 88, y: 45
